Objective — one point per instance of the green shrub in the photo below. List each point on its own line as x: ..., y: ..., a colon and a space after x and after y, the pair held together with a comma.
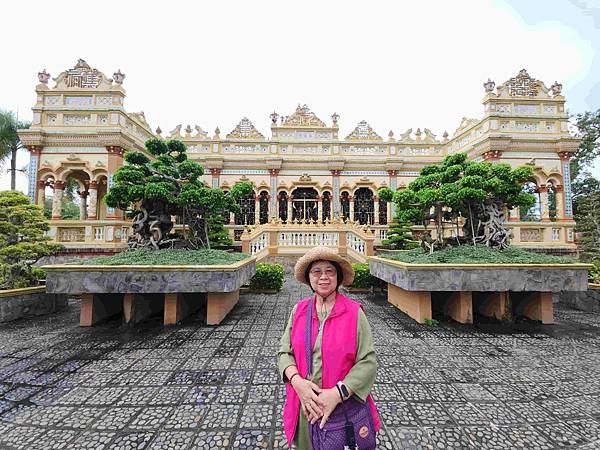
x: 267, y: 276
x: 594, y: 273
x: 167, y: 257
x: 363, y: 278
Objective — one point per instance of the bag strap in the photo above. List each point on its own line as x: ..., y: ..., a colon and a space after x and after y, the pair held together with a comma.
x: 308, y: 338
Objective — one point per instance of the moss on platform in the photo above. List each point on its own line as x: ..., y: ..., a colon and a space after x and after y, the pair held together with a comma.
x: 168, y: 257
x: 469, y: 254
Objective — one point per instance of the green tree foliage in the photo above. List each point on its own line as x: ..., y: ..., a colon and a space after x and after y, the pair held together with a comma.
x: 169, y: 185
x: 22, y: 241
x: 399, y: 237
x: 10, y: 143
x: 477, y: 192
x: 587, y: 219
x: 588, y: 125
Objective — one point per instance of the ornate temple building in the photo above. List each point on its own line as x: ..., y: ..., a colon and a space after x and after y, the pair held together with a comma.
x: 303, y: 172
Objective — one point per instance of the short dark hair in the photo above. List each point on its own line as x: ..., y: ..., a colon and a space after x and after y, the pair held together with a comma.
x: 338, y: 269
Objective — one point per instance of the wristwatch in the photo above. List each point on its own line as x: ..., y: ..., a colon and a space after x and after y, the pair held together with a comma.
x: 343, y: 390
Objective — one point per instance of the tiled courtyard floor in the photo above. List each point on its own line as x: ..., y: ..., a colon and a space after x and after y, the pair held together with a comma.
x: 200, y: 387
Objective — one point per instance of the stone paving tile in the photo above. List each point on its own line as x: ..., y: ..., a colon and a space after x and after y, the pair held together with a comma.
x: 198, y: 387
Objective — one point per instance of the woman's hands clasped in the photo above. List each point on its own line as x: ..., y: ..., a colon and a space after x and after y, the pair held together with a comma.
x: 310, y: 402
x: 316, y: 403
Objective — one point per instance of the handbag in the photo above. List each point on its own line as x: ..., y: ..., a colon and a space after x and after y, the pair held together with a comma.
x: 350, y: 426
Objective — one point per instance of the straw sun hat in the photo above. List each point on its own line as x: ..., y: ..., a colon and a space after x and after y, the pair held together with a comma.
x: 322, y: 254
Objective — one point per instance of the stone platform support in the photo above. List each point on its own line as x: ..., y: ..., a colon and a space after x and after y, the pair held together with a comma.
x: 417, y: 304
x: 492, y: 304
x: 178, y: 306
x: 139, y: 307
x: 536, y: 306
x: 98, y: 307
x: 219, y: 304
x: 459, y: 306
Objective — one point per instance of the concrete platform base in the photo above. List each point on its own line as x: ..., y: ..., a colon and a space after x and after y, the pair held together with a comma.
x: 139, y: 307
x: 459, y: 306
x: 492, y: 304
x: 219, y: 304
x: 535, y: 306
x: 179, y: 306
x: 96, y: 308
x: 417, y: 304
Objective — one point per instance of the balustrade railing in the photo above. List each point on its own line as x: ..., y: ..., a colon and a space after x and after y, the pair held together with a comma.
x: 278, y: 238
x: 90, y: 233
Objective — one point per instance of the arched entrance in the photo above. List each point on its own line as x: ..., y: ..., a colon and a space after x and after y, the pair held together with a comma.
x: 364, y: 206
x: 304, y: 206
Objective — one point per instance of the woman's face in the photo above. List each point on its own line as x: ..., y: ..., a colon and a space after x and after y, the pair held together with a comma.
x: 323, y: 278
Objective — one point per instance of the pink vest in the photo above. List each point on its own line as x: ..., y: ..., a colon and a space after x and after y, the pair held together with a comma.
x: 338, y: 349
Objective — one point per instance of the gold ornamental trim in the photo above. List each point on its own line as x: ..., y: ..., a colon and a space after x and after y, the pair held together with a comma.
x: 22, y: 291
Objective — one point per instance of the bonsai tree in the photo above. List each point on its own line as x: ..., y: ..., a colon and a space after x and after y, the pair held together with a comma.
x: 399, y: 235
x: 458, y: 190
x: 152, y: 191
x: 22, y: 241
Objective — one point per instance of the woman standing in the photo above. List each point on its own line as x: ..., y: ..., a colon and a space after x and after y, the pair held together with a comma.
x: 342, y: 357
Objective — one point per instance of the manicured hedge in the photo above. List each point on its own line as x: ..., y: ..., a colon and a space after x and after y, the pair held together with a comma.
x: 363, y: 278
x: 267, y: 277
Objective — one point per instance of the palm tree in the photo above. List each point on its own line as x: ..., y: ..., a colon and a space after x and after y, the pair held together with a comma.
x: 10, y: 143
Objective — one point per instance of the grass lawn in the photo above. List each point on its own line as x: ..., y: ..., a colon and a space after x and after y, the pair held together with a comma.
x: 168, y: 257
x: 469, y: 254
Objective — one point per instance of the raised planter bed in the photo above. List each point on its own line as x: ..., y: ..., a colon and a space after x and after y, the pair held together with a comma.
x: 29, y: 302
x: 490, y: 289
x: 139, y: 291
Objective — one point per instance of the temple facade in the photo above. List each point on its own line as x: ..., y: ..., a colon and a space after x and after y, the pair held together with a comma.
x: 304, y: 172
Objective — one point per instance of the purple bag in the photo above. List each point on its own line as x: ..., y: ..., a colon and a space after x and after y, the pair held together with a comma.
x: 350, y: 426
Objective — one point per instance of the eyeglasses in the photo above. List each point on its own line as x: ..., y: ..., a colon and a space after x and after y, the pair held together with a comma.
x: 329, y: 273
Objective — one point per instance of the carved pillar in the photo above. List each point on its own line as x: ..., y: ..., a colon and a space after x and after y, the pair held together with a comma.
x: 389, y: 212
x: 513, y: 215
x: 59, y: 186
x: 92, y: 203
x: 560, y: 202
x: 290, y: 201
x: 335, y: 175
x: 351, y: 200
x: 273, y: 197
x: 34, y: 161
x: 319, y: 208
x: 41, y: 193
x: 393, y: 175
x: 545, y: 210
x: 115, y: 161
x: 257, y: 210
x: 565, y: 158
x: 216, y: 181
x: 82, y: 205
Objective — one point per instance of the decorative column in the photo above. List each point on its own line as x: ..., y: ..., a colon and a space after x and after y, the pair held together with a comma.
x: 290, y: 200
x: 115, y: 161
x: 513, y: 215
x: 92, y: 203
x: 545, y: 210
x: 393, y: 174
x: 59, y: 187
x: 273, y: 197
x: 41, y: 193
x: 565, y: 158
x: 82, y: 205
x: 335, y: 175
x: 376, y: 210
x: 560, y: 204
x: 319, y: 208
x: 216, y: 173
x: 389, y: 212
x: 351, y: 200
x: 34, y: 159
x: 257, y: 210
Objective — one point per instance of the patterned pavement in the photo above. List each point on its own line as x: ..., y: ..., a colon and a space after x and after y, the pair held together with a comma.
x: 199, y: 387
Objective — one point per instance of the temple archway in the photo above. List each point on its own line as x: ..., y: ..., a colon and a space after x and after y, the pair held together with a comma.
x: 304, y: 206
